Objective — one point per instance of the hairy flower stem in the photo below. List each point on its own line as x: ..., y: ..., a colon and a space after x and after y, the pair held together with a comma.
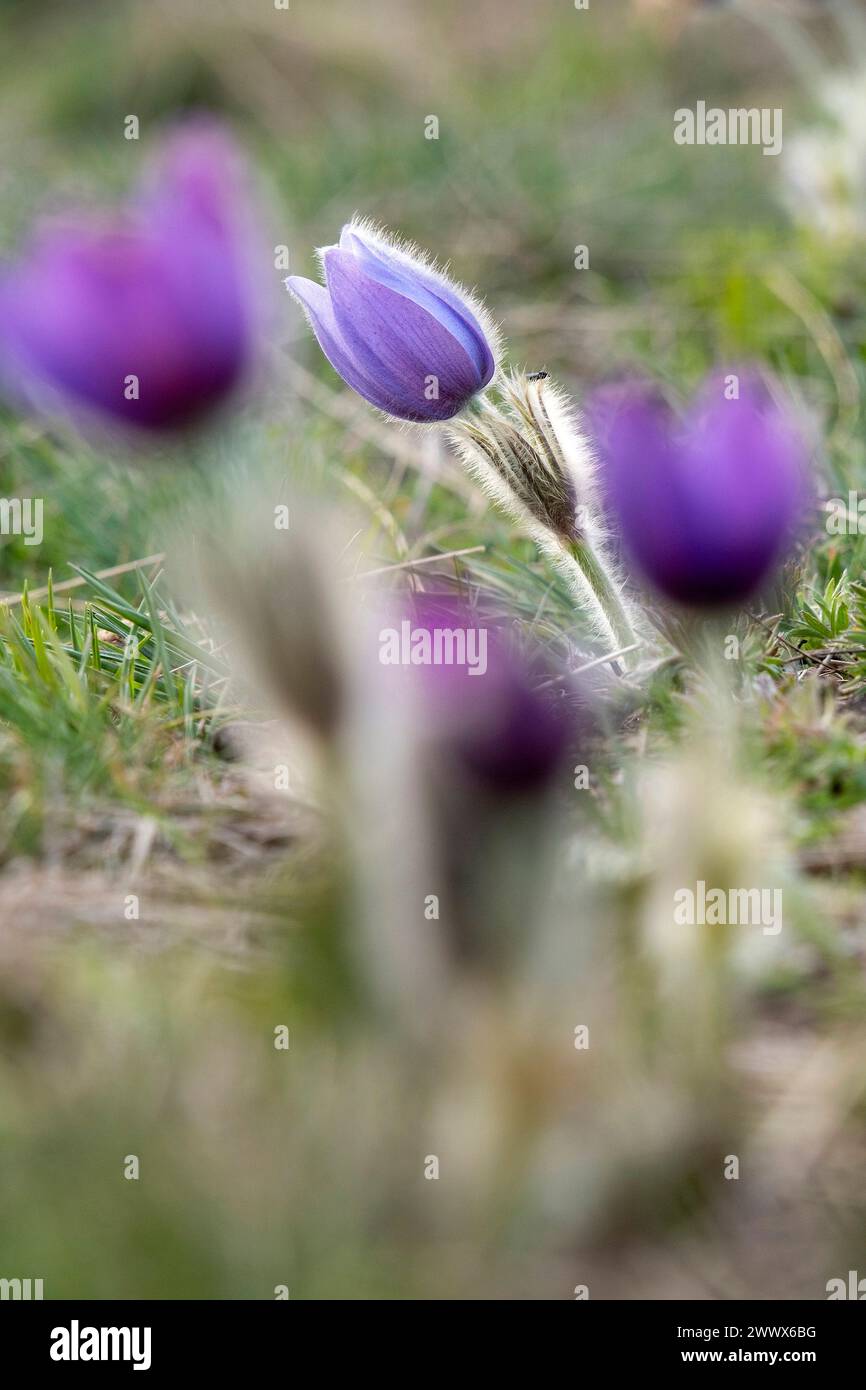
x: 532, y: 459
x: 605, y: 595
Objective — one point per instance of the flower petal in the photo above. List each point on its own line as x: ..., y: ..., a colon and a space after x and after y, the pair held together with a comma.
x: 316, y: 302
x: 398, y: 343
x: 391, y: 267
x: 706, y: 508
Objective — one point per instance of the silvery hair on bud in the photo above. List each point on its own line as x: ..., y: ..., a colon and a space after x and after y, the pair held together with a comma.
x: 534, y: 460
x: 531, y: 458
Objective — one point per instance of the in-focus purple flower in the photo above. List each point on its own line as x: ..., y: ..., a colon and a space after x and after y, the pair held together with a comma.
x: 706, y: 507
x: 147, y: 317
x: 483, y: 715
x: 398, y: 331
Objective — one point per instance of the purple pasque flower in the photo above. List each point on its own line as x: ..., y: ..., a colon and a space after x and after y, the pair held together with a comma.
x: 397, y: 331
x: 146, y: 317
x: 707, y: 506
x: 483, y: 717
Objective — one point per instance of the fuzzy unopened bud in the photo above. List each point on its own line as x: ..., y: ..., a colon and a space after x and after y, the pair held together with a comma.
x: 524, y: 472
x: 530, y: 457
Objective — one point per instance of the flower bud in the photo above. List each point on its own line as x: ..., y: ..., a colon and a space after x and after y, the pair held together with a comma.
x: 146, y: 317
x: 397, y: 331
x: 706, y: 507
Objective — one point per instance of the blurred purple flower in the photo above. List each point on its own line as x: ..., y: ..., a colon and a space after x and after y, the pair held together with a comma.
x: 147, y: 317
x: 397, y: 331
x: 484, y: 718
x: 706, y: 507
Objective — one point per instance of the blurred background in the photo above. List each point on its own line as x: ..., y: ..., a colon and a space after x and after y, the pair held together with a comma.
x: 219, y: 836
